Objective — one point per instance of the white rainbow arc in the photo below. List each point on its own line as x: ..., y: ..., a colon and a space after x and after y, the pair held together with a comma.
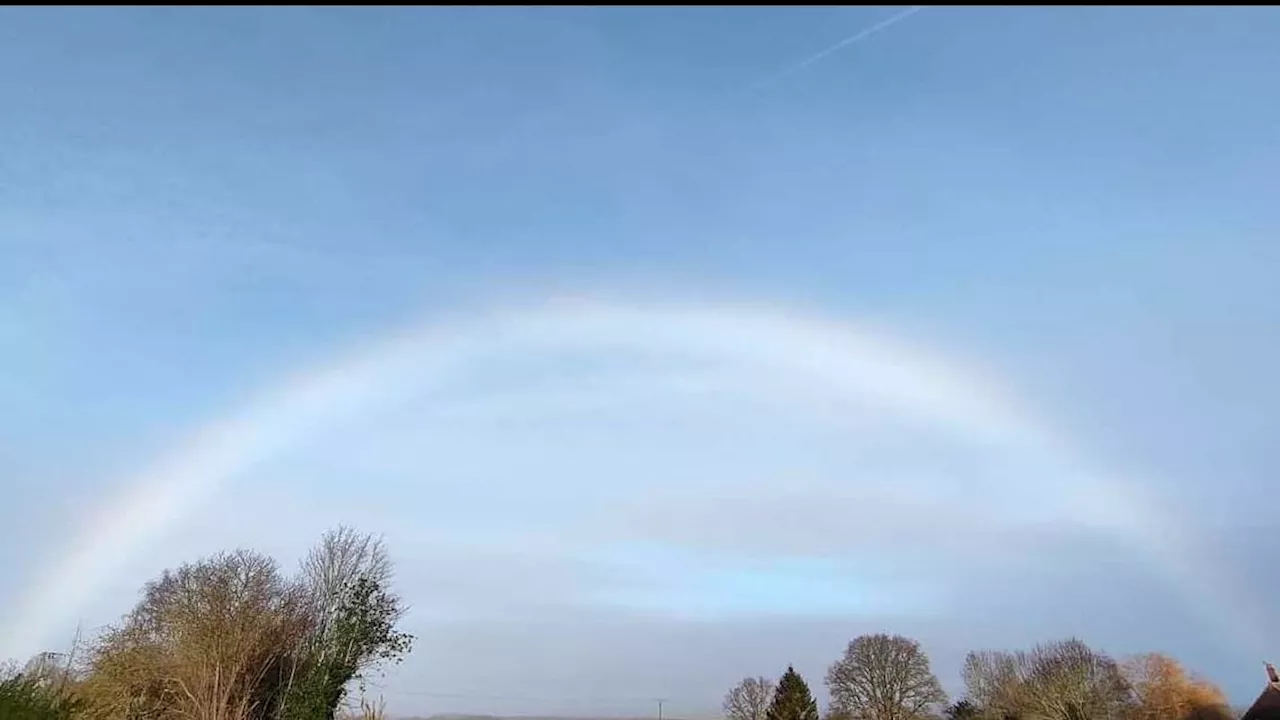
x: 837, y: 359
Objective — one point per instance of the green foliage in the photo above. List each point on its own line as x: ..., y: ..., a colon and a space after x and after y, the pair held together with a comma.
x: 792, y: 700
x: 367, y: 626
x: 361, y: 632
x: 25, y: 698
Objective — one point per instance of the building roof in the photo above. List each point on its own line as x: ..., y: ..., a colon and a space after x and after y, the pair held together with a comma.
x: 1267, y: 706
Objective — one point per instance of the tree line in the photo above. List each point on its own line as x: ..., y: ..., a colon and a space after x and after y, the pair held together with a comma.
x: 888, y: 677
x: 230, y: 637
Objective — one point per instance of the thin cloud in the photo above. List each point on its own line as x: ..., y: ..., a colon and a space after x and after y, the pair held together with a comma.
x: 853, y: 39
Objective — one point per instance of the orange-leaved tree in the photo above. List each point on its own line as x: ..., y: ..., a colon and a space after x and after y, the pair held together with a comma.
x: 1164, y: 690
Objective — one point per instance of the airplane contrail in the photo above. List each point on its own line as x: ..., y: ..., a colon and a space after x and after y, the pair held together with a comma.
x: 656, y: 124
x: 855, y: 38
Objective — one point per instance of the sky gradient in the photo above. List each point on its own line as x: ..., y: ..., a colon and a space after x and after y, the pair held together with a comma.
x: 660, y: 356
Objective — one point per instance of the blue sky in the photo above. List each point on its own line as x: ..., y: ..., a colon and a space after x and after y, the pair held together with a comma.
x: 1076, y: 204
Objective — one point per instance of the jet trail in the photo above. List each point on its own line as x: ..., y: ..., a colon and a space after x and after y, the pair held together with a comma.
x: 851, y: 40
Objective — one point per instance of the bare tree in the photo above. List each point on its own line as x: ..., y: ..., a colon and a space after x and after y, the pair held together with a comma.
x: 1068, y: 680
x: 201, y: 642
x: 992, y: 683
x: 1064, y: 680
x: 884, y: 677
x: 342, y: 556
x: 749, y: 699
x: 230, y: 638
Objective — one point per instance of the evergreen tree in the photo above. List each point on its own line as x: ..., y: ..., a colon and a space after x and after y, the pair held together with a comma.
x: 792, y: 700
